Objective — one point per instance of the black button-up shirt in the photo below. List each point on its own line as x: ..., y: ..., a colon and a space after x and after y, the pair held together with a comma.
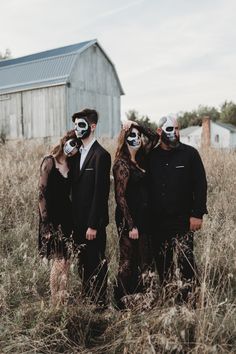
x: 177, y: 182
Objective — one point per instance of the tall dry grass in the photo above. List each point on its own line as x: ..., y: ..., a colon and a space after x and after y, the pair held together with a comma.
x: 153, y: 324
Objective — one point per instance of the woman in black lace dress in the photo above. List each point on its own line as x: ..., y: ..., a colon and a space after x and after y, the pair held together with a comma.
x: 55, y: 212
x: 132, y: 207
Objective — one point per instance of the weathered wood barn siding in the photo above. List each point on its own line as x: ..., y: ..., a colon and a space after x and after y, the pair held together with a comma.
x: 84, y: 77
x: 44, y: 112
x: 34, y: 113
x: 94, y: 84
x: 10, y: 115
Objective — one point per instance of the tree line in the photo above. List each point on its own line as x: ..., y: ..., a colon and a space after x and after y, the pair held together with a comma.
x: 226, y: 114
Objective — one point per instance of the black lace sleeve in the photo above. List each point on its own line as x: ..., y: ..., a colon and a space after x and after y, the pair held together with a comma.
x: 45, y: 170
x: 121, y: 174
x: 151, y: 138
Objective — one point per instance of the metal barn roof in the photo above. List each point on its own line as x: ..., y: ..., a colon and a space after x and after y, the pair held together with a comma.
x: 51, y: 67
x: 228, y: 126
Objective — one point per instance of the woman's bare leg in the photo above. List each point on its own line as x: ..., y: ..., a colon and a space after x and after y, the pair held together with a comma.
x: 54, y: 281
x: 59, y: 280
x: 65, y: 265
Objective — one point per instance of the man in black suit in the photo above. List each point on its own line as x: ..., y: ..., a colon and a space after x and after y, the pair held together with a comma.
x: 90, y: 192
x: 178, y: 192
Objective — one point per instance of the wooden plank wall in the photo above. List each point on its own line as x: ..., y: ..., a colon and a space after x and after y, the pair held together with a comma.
x: 46, y: 112
x: 94, y: 85
x: 43, y: 111
x: 10, y: 115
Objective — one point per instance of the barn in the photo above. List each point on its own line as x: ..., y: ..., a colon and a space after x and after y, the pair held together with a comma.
x: 40, y: 92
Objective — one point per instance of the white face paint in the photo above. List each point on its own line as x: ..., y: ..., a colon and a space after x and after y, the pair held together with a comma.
x: 70, y: 147
x: 82, y: 128
x: 134, y: 139
x: 169, y: 128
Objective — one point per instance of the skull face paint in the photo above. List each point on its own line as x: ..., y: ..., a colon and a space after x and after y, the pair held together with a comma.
x: 134, y: 139
x: 169, y: 136
x: 82, y: 128
x: 70, y: 147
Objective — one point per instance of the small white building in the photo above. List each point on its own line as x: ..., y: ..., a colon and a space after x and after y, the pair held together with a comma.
x: 215, y: 134
x: 191, y: 136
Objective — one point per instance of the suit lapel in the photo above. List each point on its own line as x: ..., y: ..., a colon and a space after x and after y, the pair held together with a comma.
x: 77, y: 167
x: 88, y: 157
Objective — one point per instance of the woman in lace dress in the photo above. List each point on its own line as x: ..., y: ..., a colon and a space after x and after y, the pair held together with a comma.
x: 132, y: 207
x: 55, y: 213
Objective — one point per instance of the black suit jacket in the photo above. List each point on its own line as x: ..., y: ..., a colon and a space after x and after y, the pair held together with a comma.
x: 90, y: 189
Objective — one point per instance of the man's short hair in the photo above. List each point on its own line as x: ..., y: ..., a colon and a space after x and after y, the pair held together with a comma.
x: 90, y: 114
x: 161, y: 122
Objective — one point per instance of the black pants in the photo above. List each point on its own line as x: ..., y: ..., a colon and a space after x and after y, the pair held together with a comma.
x: 172, y: 243
x: 93, y: 264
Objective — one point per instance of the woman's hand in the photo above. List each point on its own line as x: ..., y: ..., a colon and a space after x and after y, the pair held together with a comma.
x: 134, y: 234
x: 127, y: 124
x: 195, y: 224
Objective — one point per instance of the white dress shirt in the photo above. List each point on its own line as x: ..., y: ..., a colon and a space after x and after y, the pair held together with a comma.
x: 84, y: 150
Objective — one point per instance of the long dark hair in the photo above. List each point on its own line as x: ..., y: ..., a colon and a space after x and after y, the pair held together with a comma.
x: 122, y: 151
x: 57, y: 151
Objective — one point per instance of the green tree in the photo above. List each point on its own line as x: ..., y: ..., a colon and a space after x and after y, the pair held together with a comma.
x: 211, y: 112
x: 186, y: 119
x: 142, y: 120
x: 228, y: 112
x: 194, y: 117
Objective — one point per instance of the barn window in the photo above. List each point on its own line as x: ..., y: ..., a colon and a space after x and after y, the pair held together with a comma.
x: 217, y: 138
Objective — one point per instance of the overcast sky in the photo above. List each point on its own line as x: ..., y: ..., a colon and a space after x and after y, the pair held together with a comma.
x: 171, y: 55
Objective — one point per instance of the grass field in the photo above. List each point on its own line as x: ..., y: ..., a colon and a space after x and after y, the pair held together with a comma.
x: 153, y: 324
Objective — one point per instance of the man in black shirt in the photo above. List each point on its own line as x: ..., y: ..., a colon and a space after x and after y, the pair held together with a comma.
x: 178, y: 191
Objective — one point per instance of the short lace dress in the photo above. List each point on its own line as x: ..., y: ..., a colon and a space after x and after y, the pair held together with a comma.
x: 55, y: 211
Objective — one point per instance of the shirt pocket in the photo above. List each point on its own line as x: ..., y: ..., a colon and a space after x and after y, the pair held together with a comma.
x: 180, y: 167
x: 179, y: 172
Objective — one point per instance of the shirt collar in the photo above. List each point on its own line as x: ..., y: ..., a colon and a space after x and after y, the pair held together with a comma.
x: 179, y: 147
x: 87, y: 147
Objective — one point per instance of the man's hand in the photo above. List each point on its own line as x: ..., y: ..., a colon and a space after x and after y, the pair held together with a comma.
x: 127, y: 124
x: 91, y: 234
x: 195, y: 224
x: 134, y: 234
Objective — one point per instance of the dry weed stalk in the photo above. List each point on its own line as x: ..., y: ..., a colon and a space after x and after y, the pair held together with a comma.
x: 153, y: 323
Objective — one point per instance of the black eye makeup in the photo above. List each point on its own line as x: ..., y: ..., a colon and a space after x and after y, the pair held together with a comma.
x: 169, y: 129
